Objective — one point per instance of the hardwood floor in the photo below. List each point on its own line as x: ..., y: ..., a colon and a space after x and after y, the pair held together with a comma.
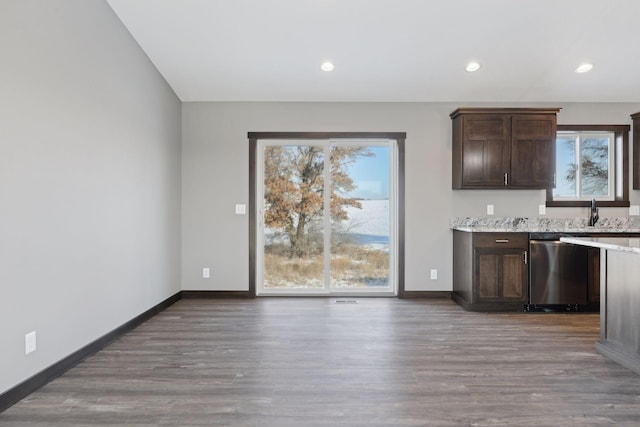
x: 315, y: 362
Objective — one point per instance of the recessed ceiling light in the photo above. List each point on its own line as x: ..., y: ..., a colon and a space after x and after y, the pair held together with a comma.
x: 584, y: 68
x: 472, y: 66
x: 327, y: 66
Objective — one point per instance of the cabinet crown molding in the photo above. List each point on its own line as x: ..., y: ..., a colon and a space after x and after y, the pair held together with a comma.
x: 477, y: 110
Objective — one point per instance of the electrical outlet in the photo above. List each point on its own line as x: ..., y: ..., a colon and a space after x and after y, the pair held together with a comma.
x: 542, y: 210
x: 241, y: 209
x: 634, y: 210
x: 434, y: 274
x: 206, y: 273
x: 30, y: 342
x: 489, y: 209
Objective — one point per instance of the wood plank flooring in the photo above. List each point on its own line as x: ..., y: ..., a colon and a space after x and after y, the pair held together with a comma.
x: 315, y: 362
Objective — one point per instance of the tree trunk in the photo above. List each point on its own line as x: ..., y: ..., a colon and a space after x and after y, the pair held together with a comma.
x: 297, y: 240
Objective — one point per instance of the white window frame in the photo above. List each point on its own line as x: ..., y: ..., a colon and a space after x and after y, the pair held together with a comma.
x: 393, y: 288
x: 579, y: 137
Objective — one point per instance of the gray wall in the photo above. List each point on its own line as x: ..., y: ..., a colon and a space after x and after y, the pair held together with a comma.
x: 215, y: 177
x: 89, y: 181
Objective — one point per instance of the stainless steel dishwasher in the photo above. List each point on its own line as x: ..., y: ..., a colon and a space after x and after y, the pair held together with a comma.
x: 558, y: 275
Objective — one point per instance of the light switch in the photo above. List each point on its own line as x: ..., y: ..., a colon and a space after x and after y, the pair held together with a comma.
x: 241, y: 209
x: 634, y: 210
x: 206, y: 273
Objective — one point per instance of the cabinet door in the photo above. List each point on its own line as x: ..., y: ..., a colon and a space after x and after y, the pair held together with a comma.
x: 533, y: 142
x: 514, y: 276
x: 485, y: 150
x: 501, y: 275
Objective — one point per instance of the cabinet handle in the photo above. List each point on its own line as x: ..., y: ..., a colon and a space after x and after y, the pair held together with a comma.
x: 502, y: 240
x: 525, y: 257
x: 506, y: 178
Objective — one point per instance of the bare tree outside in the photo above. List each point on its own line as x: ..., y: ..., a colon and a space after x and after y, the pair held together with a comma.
x: 594, y: 167
x: 294, y: 191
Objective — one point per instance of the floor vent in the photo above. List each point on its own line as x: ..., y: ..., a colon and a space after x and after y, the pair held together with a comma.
x: 346, y: 301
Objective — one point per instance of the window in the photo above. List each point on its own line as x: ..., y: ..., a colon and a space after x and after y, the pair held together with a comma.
x: 591, y: 163
x: 584, y: 162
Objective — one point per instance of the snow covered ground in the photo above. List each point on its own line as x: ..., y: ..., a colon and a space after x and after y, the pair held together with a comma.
x: 369, y: 225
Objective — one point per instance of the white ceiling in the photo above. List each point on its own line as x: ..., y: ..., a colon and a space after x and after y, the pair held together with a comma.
x: 391, y: 50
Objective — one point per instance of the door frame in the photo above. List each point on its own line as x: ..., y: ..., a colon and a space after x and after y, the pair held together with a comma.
x: 398, y: 137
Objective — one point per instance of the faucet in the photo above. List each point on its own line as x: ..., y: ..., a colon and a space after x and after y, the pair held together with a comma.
x: 593, y: 216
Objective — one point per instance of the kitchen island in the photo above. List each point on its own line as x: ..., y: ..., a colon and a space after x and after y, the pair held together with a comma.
x: 619, y: 297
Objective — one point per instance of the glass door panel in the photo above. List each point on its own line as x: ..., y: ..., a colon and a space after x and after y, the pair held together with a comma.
x: 293, y: 217
x: 360, y: 218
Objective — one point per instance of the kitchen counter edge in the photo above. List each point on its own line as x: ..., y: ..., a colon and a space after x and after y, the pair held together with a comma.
x: 627, y: 225
x: 588, y: 230
x: 620, y: 244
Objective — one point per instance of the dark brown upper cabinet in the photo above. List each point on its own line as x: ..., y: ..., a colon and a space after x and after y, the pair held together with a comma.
x: 503, y: 148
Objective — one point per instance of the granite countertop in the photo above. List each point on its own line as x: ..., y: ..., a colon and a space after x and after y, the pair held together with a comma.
x: 622, y: 244
x: 544, y: 225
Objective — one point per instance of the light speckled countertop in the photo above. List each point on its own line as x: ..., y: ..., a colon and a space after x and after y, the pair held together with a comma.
x: 622, y: 244
x: 544, y: 225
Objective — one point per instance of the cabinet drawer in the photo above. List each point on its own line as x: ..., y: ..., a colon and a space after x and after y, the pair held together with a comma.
x: 501, y: 240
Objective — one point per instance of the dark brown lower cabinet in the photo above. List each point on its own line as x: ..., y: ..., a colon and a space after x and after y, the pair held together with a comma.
x: 501, y: 275
x: 593, y: 276
x: 490, y: 271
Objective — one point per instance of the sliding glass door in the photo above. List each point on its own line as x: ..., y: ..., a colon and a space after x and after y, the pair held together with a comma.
x: 326, y: 213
